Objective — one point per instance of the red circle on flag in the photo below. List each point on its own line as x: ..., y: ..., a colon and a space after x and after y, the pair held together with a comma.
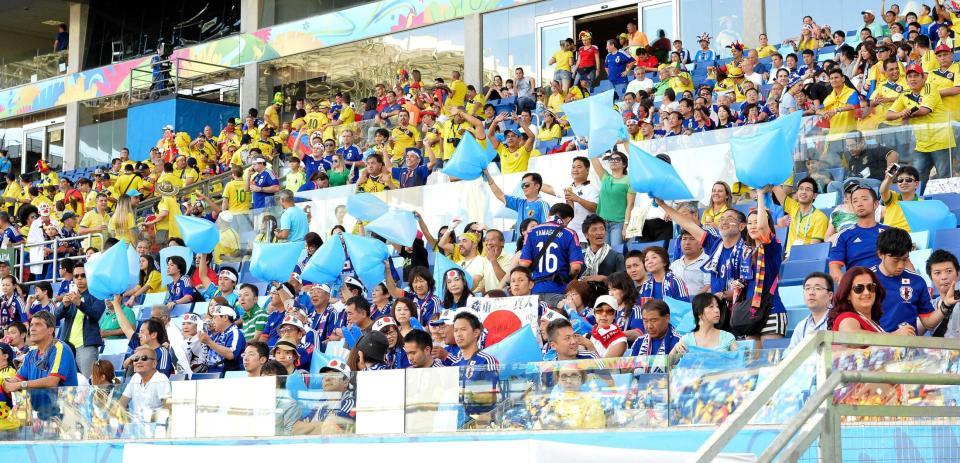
x: 500, y: 324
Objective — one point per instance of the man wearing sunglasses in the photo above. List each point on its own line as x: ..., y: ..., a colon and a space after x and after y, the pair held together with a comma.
x: 81, y: 313
x: 907, y: 296
x: 147, y: 391
x: 907, y: 180
x: 530, y: 206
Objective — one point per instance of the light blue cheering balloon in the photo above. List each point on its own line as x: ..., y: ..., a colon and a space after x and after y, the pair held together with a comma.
x: 326, y: 263
x: 108, y: 274
x: 171, y: 251
x: 396, y: 226
x: 318, y: 361
x: 521, y: 346
x: 200, y: 235
x: 766, y: 157
x: 367, y: 256
x: 366, y: 206
x: 930, y: 215
x: 441, y: 265
x: 681, y: 314
x: 469, y: 159
x: 578, y: 114
x: 275, y: 261
x: 653, y: 176
x: 606, y: 125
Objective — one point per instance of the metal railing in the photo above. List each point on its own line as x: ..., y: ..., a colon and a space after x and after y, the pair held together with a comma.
x: 36, y: 68
x: 204, y: 186
x: 23, y: 249
x: 820, y: 418
x: 182, y: 77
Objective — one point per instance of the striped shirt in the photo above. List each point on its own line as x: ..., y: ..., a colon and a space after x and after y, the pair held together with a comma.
x: 253, y: 321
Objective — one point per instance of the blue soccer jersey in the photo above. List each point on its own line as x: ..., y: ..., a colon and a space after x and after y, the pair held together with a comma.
x: 233, y: 339
x: 271, y: 329
x: 164, y: 360
x: 552, y: 271
x: 857, y: 247
x: 58, y: 361
x: 907, y: 298
x: 479, y: 374
x: 11, y: 310
x: 722, y: 262
x: 263, y: 179
x: 180, y: 288
x: 426, y: 306
x: 536, y: 210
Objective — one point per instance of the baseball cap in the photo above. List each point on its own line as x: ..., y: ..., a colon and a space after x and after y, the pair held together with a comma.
x: 168, y: 127
x: 374, y: 346
x: 943, y: 48
x: 336, y: 365
x: 224, y: 310
x: 383, y: 322
x: 867, y: 12
x: 294, y: 322
x: 446, y: 318
x: 607, y: 299
x: 192, y: 318
x: 68, y: 215
x: 914, y: 68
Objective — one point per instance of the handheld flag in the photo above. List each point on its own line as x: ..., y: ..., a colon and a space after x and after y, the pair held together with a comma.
x: 396, y: 226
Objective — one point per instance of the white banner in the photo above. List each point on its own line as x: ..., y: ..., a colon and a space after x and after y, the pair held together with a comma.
x: 504, y: 315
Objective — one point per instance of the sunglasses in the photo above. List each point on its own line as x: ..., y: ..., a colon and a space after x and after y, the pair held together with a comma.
x: 906, y: 180
x: 869, y: 287
x: 610, y: 311
x: 616, y: 159
x: 142, y: 358
x: 80, y: 275
x: 525, y: 185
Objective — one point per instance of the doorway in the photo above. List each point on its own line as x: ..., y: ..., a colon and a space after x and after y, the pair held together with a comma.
x: 603, y: 26
x: 41, y: 140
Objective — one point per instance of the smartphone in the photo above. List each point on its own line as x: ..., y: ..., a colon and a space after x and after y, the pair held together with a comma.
x: 956, y: 294
x: 73, y: 288
x: 893, y: 169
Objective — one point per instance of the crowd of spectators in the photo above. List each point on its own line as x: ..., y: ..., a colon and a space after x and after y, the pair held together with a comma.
x: 575, y: 251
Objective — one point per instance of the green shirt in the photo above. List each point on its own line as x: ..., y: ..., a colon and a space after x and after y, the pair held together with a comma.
x: 109, y: 321
x: 253, y: 321
x: 612, y: 206
x: 338, y: 178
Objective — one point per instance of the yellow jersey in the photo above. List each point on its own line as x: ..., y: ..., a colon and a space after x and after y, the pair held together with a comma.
x: 892, y: 213
x: 513, y: 161
x: 94, y: 219
x: 563, y: 58
x: 842, y: 122
x: 804, y: 228
x: 947, y: 78
x: 933, y: 131
x: 169, y: 204
x: 458, y: 92
x: 238, y: 198
x: 403, y: 138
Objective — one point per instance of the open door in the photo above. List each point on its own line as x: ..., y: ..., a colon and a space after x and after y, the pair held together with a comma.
x: 549, y: 35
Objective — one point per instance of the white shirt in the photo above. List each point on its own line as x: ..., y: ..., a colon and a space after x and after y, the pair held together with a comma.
x: 481, y: 266
x: 145, y: 398
x: 691, y: 273
x: 589, y: 192
x: 755, y: 77
x: 179, y: 346
x: 636, y: 85
x: 806, y: 327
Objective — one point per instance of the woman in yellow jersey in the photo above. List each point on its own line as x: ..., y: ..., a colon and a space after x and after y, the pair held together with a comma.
x: 550, y: 130
x: 123, y: 223
x: 721, y: 198
x: 807, y: 40
x: 150, y: 281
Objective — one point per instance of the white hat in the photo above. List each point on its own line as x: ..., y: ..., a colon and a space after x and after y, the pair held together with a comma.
x: 446, y: 318
x: 382, y: 323
x: 867, y: 11
x: 168, y: 127
x: 322, y: 286
x: 224, y: 310
x: 293, y: 321
x: 607, y: 299
x: 551, y: 315
x: 336, y: 365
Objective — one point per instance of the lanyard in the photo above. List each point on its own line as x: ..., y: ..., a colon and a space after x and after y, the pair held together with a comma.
x: 806, y: 228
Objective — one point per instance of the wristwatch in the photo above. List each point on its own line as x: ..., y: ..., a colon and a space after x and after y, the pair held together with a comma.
x: 24, y: 386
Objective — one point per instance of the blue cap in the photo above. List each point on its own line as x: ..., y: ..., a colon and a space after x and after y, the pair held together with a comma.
x: 133, y: 193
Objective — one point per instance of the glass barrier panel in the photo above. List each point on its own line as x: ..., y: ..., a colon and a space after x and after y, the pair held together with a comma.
x: 900, y: 360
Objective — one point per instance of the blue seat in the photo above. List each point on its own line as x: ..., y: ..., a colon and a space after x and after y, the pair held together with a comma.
x: 115, y: 359
x: 114, y: 346
x: 792, y: 296
x: 817, y: 251
x: 178, y: 377
x: 151, y: 299
x: 837, y: 172
x: 633, y: 245
x: 602, y: 86
x: 921, y: 239
x: 201, y: 376
x: 782, y: 234
x: 781, y: 343
x: 180, y: 310
x: 546, y: 146
x: 794, y: 272
x: 952, y: 200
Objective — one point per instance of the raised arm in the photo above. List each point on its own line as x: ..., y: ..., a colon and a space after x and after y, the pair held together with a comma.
x: 763, y: 224
x: 389, y: 282
x: 598, y: 168
x: 780, y: 193
x: 497, y: 192
x: 426, y: 231
x: 686, y: 223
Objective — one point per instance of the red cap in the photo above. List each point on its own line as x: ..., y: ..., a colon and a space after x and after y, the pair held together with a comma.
x: 914, y: 68
x: 943, y: 48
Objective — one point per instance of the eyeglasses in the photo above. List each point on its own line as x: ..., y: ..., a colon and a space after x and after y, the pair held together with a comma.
x: 869, y: 287
x: 80, y: 275
x: 815, y: 288
x: 616, y: 159
x: 525, y: 185
x: 906, y: 180
x: 570, y: 376
x: 329, y: 145
x: 600, y: 311
x: 142, y: 358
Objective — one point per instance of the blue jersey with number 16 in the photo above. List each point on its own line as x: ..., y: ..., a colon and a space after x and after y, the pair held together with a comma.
x: 561, y: 253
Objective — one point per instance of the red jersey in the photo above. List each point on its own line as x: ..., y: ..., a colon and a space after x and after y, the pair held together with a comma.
x: 587, y: 56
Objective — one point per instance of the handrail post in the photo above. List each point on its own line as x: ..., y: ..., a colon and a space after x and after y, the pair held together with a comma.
x: 829, y: 442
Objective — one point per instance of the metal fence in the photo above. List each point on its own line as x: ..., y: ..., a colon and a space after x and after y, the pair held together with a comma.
x: 18, y: 263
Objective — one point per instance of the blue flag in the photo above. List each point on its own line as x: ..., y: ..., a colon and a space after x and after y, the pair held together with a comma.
x: 275, y: 261
x: 108, y: 274
x: 653, y: 176
x: 699, y: 358
x: 521, y: 346
x: 441, y: 265
x: 326, y: 264
x: 171, y: 251
x: 367, y: 256
x: 200, y: 235
x: 366, y: 206
x: 595, y: 118
x: 929, y: 215
x: 681, y: 314
x: 396, y: 226
x: 469, y: 159
x: 766, y: 157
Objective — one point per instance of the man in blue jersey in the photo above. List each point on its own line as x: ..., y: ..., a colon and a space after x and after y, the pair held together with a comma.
x: 263, y: 184
x: 530, y: 206
x: 479, y: 371
x: 660, y: 337
x: 226, y: 342
x: 552, y: 251
x: 617, y: 65
x: 418, y: 346
x: 857, y: 245
x: 724, y: 246
x: 48, y: 366
x: 907, y: 296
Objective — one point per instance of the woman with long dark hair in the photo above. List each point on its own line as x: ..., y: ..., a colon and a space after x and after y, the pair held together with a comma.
x: 455, y: 289
x: 707, y: 314
x: 857, y: 304
x: 760, y: 284
x: 624, y: 291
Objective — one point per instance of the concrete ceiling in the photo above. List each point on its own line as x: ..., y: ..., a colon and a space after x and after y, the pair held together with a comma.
x: 23, y: 29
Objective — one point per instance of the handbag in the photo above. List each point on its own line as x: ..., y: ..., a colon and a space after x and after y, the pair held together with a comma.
x: 746, y: 320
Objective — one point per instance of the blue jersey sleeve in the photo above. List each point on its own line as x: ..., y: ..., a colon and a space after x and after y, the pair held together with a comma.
x: 513, y: 202
x: 838, y: 252
x: 527, y: 253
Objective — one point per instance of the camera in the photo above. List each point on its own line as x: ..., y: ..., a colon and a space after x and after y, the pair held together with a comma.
x: 892, y: 170
x: 453, y: 141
